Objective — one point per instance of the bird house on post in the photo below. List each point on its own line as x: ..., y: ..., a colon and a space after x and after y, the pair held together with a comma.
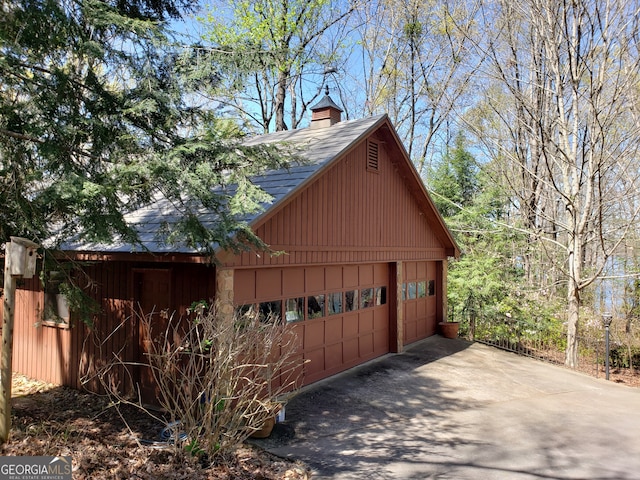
x: 22, y: 257
x: 19, y: 262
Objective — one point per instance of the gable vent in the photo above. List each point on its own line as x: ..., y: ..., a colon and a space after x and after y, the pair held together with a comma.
x: 372, y: 156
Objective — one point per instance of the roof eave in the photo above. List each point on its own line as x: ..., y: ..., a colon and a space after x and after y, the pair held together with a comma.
x: 452, y: 249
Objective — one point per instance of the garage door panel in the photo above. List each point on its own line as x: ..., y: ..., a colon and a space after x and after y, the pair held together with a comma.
x: 350, y: 276
x: 365, y: 274
x: 380, y: 320
x: 381, y: 341
x: 421, y: 270
x: 410, y: 331
x: 410, y: 270
x: 422, y: 327
x: 365, y: 322
x: 314, y: 279
x: 293, y: 281
x: 315, y: 362
x: 244, y: 286
x: 313, y: 334
x: 431, y: 325
x: 295, y: 375
x: 350, y: 350
x: 366, y: 345
x: 350, y: 326
x: 431, y: 303
x: 411, y: 311
x: 269, y: 283
x: 333, y: 356
x: 296, y: 330
x: 333, y: 277
x: 333, y: 329
x: 381, y: 274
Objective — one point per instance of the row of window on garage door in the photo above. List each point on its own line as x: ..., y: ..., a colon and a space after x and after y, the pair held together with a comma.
x: 334, y: 290
x: 340, y: 313
x: 334, y: 303
x: 317, y: 306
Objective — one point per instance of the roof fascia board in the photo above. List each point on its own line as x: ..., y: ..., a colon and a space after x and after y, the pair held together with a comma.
x: 454, y: 251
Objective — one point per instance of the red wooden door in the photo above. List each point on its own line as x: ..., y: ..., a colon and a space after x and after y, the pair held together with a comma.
x: 152, y: 300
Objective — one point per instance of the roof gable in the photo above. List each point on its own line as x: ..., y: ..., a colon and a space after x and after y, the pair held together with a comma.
x: 383, y: 134
x: 319, y: 147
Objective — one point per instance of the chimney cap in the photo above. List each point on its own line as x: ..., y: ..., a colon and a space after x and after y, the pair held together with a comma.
x: 326, y: 102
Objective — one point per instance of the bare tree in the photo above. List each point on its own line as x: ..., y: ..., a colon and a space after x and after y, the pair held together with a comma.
x: 559, y: 115
x: 412, y: 61
x: 275, y: 55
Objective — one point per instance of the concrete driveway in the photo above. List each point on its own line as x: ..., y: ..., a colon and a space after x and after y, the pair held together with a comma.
x: 449, y: 409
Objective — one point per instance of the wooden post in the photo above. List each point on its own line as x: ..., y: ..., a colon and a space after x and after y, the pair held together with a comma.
x: 399, y: 327
x: 7, y: 346
x: 19, y: 261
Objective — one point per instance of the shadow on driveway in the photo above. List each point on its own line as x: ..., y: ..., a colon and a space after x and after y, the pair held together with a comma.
x: 452, y: 409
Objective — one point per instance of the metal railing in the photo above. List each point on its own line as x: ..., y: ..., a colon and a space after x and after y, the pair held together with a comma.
x: 549, y: 346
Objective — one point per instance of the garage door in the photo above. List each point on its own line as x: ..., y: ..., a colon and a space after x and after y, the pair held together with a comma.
x: 419, y: 300
x: 339, y: 313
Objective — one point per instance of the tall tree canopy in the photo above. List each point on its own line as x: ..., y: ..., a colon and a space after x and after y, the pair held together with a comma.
x: 274, y: 46
x: 558, y: 113
x: 94, y: 122
x: 412, y: 60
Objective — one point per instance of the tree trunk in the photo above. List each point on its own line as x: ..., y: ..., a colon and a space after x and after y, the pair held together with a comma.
x: 573, y: 314
x: 9, y: 294
x: 573, y: 300
x: 281, y: 92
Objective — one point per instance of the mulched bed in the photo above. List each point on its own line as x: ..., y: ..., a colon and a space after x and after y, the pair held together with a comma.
x: 53, y: 420
x: 618, y: 375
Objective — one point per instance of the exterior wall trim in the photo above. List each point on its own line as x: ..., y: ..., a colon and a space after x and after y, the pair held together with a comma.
x: 399, y: 311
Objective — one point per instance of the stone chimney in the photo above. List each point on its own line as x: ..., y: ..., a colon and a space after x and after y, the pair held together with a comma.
x: 325, y: 113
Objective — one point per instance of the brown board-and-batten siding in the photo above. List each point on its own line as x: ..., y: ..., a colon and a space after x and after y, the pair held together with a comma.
x: 349, y: 215
x: 38, y: 351
x: 73, y: 356
x: 357, y: 217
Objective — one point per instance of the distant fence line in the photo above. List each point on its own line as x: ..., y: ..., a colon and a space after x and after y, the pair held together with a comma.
x: 549, y: 345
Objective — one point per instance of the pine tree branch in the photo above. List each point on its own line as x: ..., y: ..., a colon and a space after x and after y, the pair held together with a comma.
x: 20, y: 136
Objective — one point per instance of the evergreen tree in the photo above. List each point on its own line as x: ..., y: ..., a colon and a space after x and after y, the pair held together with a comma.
x: 94, y: 122
x: 454, y: 180
x: 485, y: 285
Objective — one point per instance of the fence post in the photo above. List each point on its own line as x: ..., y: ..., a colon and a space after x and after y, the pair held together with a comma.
x: 606, y: 319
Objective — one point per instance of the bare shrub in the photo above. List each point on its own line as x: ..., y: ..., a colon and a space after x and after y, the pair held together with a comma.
x: 218, y: 379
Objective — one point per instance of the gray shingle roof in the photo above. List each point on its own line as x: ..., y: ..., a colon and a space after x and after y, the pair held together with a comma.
x: 318, y: 147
